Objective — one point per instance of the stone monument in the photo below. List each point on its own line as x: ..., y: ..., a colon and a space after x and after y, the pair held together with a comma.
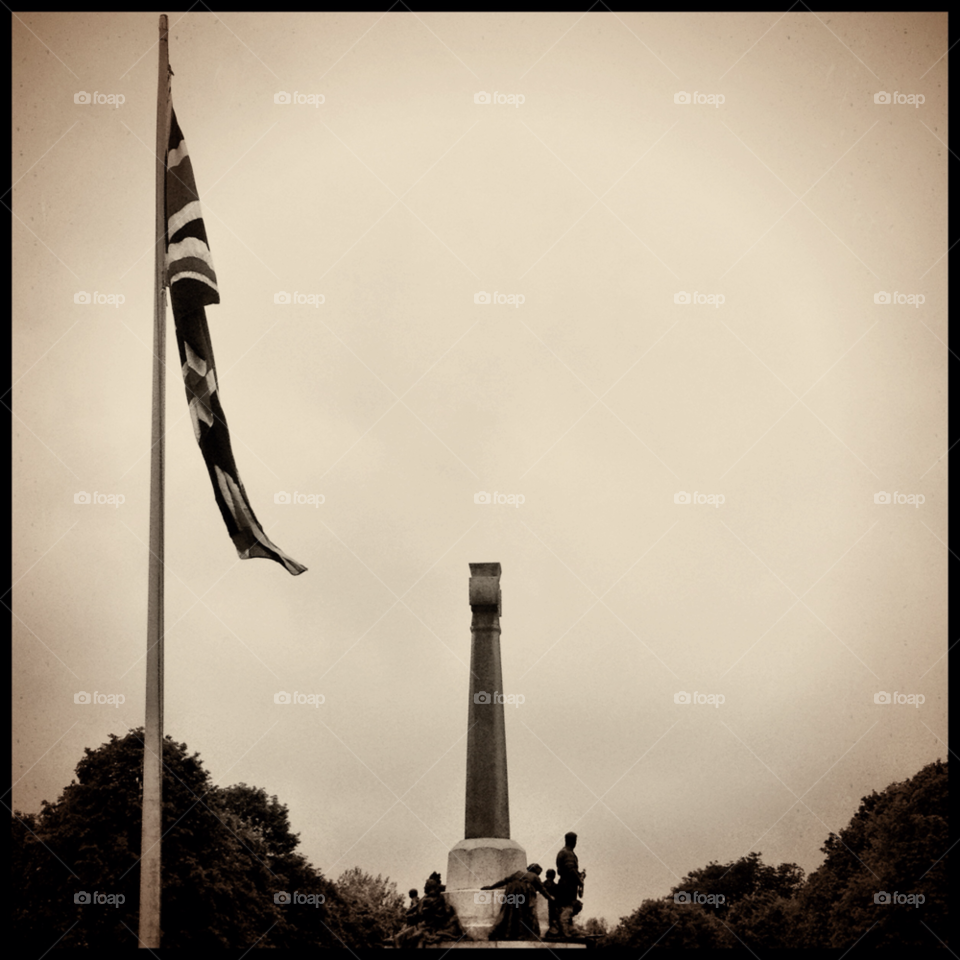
x: 487, y: 853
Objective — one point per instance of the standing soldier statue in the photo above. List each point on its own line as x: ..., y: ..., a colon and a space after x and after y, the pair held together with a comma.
x: 569, y: 885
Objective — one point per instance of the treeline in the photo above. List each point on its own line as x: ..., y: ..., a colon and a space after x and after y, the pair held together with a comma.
x: 231, y: 873
x: 883, y: 884
x: 232, y: 876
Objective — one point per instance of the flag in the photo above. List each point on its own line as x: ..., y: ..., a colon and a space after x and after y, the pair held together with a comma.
x: 193, y: 285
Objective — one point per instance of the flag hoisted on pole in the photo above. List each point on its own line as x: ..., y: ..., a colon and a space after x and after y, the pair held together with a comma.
x: 182, y: 261
x: 193, y: 285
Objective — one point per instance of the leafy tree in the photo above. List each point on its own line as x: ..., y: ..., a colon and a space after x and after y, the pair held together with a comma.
x: 667, y: 924
x: 762, y: 920
x: 740, y: 879
x: 595, y: 927
x: 374, y: 905
x: 895, y: 842
x: 226, y: 854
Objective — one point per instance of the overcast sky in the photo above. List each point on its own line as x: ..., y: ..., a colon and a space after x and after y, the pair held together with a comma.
x: 782, y: 196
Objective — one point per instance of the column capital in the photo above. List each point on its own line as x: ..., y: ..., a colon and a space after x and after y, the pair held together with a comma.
x: 485, y: 585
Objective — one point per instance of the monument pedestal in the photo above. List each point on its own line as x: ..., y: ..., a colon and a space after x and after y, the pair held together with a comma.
x: 476, y: 863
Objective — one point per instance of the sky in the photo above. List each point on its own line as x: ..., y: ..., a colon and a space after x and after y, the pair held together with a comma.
x: 648, y: 308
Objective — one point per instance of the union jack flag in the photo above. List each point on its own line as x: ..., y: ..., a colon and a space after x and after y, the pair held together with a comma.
x: 193, y: 285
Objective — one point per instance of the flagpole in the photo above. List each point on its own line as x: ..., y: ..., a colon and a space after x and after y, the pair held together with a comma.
x: 150, y: 875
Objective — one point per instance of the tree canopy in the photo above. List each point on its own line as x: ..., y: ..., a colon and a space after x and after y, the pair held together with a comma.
x: 231, y: 873
x: 896, y: 843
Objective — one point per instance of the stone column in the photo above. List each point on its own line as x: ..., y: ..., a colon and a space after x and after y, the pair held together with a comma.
x: 486, y: 854
x: 488, y: 803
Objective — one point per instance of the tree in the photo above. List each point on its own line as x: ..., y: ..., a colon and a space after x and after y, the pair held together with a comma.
x: 665, y: 923
x: 595, y: 927
x: 374, y: 905
x: 745, y: 891
x: 740, y: 879
x: 226, y: 855
x: 895, y: 842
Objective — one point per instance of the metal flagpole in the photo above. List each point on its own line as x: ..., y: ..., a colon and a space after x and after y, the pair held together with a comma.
x: 150, y: 877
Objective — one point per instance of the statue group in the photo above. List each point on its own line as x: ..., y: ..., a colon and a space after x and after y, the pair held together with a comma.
x: 432, y: 920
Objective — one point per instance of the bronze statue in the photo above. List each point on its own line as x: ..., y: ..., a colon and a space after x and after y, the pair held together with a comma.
x: 431, y: 920
x: 550, y: 885
x: 569, y: 886
x: 518, y: 913
x: 409, y: 934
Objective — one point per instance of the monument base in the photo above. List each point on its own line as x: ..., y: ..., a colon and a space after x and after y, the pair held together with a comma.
x: 506, y: 945
x: 477, y: 863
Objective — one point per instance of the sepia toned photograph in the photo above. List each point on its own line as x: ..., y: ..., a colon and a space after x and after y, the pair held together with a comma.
x: 576, y: 383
